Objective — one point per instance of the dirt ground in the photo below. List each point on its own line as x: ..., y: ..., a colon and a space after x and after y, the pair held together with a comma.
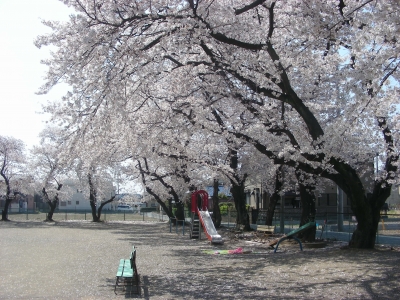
x: 79, y: 259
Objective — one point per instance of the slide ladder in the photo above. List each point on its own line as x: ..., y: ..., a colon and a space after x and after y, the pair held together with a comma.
x: 195, y: 228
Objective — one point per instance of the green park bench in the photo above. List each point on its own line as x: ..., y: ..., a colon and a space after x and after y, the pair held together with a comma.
x: 292, y: 235
x: 127, y: 274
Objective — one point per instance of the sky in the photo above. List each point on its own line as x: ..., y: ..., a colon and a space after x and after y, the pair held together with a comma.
x: 21, y: 73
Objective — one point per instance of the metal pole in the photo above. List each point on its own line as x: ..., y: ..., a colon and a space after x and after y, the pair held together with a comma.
x: 340, y: 209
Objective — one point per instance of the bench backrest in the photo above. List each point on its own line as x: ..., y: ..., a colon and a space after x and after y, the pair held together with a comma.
x: 133, y: 258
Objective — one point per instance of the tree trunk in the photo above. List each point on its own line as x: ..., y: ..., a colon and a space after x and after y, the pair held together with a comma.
x: 366, y: 209
x: 4, y: 212
x: 242, y: 217
x: 180, y: 211
x: 368, y: 217
x: 92, y: 198
x: 93, y: 208
x: 159, y: 201
x: 52, y: 206
x: 307, y: 198
x: 216, y: 216
x: 307, y: 212
x: 273, y: 200
x: 364, y: 236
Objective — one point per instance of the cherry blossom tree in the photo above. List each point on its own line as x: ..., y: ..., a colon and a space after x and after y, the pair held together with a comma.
x: 48, y: 168
x: 93, y: 162
x: 12, y: 170
x: 330, y: 68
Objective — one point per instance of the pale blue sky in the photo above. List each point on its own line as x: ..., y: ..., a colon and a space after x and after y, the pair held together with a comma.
x: 21, y: 73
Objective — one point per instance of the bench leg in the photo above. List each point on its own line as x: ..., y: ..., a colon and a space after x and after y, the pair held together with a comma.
x: 116, y: 283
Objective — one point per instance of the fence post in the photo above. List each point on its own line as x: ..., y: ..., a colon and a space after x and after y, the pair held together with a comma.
x: 349, y: 226
x: 326, y: 225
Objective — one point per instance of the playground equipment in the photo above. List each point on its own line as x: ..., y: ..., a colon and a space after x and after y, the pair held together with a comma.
x: 201, y: 216
x: 292, y: 235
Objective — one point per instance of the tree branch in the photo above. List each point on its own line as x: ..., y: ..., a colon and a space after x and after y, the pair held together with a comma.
x: 245, y: 8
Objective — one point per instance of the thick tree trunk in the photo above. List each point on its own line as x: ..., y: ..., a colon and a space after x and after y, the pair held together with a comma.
x: 52, y: 204
x: 273, y: 200
x: 366, y: 209
x: 307, y: 198
x: 368, y: 217
x: 4, y: 212
x: 242, y: 217
x: 52, y: 208
x: 93, y: 208
x: 216, y: 216
x: 180, y: 211
x: 364, y: 237
x: 96, y: 214
x: 307, y: 212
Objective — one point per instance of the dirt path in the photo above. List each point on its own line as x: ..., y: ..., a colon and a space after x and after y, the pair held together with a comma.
x: 78, y: 260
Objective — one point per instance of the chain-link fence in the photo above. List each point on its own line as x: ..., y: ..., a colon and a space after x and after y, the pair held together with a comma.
x: 106, y: 215
x: 326, y: 222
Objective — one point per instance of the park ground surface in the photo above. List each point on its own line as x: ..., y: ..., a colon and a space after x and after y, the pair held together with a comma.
x: 79, y: 259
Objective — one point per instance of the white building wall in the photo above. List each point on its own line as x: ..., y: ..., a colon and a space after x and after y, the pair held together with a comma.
x: 78, y: 202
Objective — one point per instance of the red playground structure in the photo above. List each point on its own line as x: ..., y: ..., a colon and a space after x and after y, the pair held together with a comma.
x: 200, y: 215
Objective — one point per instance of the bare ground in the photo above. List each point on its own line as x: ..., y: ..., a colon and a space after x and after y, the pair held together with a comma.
x: 78, y: 260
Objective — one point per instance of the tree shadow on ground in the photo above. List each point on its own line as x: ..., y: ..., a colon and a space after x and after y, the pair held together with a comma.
x: 255, y: 275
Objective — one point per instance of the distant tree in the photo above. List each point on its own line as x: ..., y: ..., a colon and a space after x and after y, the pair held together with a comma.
x: 48, y: 169
x: 52, y: 202
x: 12, y: 169
x: 96, y: 209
